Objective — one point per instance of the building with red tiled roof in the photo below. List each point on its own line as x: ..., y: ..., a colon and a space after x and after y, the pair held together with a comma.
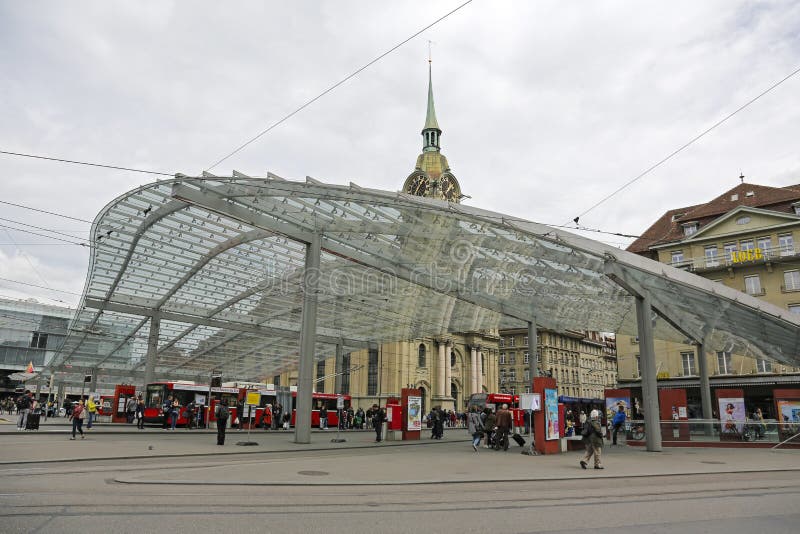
x: 746, y: 239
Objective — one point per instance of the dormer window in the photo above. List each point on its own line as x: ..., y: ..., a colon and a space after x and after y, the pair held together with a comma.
x: 690, y: 228
x: 796, y: 208
x: 676, y: 216
x: 734, y: 197
x: 750, y: 194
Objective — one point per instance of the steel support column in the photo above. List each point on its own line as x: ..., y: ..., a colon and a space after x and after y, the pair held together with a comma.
x: 337, y: 369
x: 647, y: 360
x: 152, y: 351
x: 308, y: 340
x: 705, y: 384
x: 532, y: 344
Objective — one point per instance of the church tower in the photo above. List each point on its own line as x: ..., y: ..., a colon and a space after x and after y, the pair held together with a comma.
x: 432, y: 177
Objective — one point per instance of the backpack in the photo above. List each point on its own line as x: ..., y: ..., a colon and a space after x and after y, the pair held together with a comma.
x: 23, y: 403
x: 587, y: 430
x: 223, y: 412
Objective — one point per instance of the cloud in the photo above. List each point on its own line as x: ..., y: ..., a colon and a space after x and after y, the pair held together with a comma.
x: 546, y: 107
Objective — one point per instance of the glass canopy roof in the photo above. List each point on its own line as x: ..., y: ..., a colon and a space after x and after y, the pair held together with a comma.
x: 220, y: 261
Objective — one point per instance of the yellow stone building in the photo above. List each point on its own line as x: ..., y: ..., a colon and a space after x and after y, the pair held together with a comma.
x: 745, y: 239
x: 583, y: 363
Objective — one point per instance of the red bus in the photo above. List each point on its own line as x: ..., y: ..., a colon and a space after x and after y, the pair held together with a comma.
x: 185, y: 392
x: 493, y: 400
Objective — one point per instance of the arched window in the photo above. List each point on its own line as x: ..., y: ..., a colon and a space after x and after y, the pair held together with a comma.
x: 454, y: 390
x: 452, y: 358
x: 421, y: 360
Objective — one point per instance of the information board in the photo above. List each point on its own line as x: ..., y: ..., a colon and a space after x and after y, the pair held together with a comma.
x: 530, y: 401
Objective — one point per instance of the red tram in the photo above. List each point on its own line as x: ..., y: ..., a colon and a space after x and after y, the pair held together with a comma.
x: 186, y: 392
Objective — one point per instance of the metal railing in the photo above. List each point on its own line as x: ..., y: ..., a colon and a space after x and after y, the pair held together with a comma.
x: 714, y: 430
x: 737, y: 257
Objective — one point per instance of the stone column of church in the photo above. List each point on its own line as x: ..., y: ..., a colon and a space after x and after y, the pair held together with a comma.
x: 448, y: 370
x: 440, y: 383
x: 480, y: 370
x: 473, y: 368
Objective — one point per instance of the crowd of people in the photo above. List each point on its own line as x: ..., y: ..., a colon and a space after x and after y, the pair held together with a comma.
x: 496, y: 428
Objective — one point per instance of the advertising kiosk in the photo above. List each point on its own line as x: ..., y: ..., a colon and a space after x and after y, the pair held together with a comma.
x: 122, y: 392
x: 673, y: 407
x: 546, y: 423
x: 411, y: 400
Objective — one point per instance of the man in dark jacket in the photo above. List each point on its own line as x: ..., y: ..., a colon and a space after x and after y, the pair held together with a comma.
x: 24, y: 405
x: 504, y: 424
x: 593, y: 440
x: 438, y: 423
x: 323, y: 418
x: 378, y: 417
x: 222, y: 413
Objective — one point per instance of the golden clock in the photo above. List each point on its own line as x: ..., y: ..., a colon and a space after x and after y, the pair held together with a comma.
x: 418, y: 185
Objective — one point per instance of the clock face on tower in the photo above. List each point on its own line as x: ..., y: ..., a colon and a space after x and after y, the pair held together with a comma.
x: 449, y: 188
x: 418, y: 185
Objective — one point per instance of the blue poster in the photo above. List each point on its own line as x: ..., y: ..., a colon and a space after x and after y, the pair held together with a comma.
x: 551, y: 413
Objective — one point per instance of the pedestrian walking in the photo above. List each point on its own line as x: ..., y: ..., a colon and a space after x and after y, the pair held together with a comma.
x: 504, y: 424
x: 140, y: 413
x: 130, y: 409
x: 593, y: 440
x: 166, y: 409
x: 475, y: 427
x: 489, y: 426
x: 91, y: 406
x: 24, y: 405
x: 174, y: 413
x: 618, y: 421
x: 78, y: 415
x: 222, y: 413
x: 323, y: 418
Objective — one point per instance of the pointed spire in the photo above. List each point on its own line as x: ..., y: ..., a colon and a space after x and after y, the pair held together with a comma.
x: 430, y: 118
x: 431, y: 132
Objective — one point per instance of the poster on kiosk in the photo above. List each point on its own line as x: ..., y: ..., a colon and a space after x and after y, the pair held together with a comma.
x: 414, y: 413
x: 551, y: 413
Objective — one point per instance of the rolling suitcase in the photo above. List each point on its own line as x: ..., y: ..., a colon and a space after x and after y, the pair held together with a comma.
x: 519, y: 439
x: 33, y: 421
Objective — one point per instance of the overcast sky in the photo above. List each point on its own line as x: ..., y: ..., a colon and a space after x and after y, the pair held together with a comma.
x: 546, y: 106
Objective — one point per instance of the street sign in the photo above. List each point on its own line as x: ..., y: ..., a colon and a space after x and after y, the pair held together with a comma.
x: 340, y: 403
